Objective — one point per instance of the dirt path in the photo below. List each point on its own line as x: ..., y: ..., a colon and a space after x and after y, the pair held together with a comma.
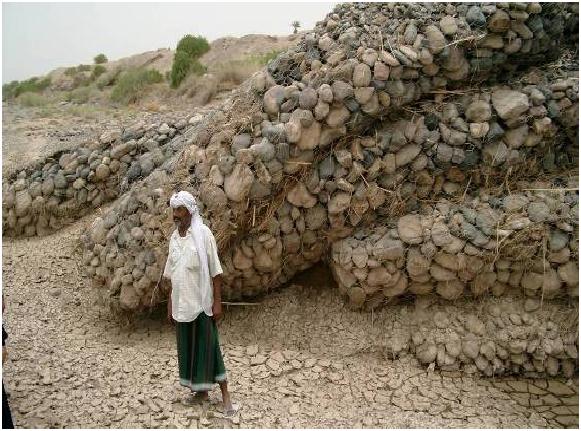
x: 298, y: 359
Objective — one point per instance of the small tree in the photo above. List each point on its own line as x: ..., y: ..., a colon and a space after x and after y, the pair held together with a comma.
x: 98, y: 70
x: 100, y: 59
x: 180, y: 68
x: 295, y: 25
x: 194, y: 46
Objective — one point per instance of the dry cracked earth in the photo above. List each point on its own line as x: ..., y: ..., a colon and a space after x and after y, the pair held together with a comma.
x: 297, y: 359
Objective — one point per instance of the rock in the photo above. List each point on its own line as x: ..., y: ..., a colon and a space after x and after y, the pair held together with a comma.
x: 98, y: 232
x: 22, y: 203
x: 470, y: 348
x: 325, y: 93
x: 450, y: 290
x: 110, y: 136
x: 264, y: 150
x: 378, y: 277
x: 495, y: 154
x: 409, y: 228
x: 558, y: 240
x: 361, y: 75
x: 238, y: 183
x: 137, y: 233
x: 339, y: 202
x: 338, y: 116
x: 426, y: 353
x: 273, y: 98
x: 356, y: 296
x: 569, y: 273
x: 475, y: 17
x: 479, y: 112
x: 407, y: 154
x: 308, y: 98
x: 299, y: 196
x: 310, y: 137
x: 102, y: 172
x: 448, y: 25
x: 499, y: 22
x: 436, y: 39
x: 509, y: 104
x: 538, y: 212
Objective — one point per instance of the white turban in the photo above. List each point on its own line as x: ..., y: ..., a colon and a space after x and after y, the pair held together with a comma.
x: 185, y: 199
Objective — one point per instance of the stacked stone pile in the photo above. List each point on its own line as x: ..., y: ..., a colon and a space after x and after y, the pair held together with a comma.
x: 525, y: 242
x: 503, y: 337
x: 333, y: 140
x: 60, y: 189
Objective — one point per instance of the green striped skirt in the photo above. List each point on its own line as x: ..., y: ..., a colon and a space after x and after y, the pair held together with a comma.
x: 200, y: 360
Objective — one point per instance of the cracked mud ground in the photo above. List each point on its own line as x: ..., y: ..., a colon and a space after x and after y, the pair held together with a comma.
x: 298, y: 359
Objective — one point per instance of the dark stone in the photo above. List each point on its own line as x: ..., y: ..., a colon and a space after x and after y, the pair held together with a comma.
x: 475, y: 17
x: 431, y: 121
x: 134, y: 171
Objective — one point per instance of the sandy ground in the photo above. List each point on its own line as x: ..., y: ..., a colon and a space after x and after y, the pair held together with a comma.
x: 298, y: 359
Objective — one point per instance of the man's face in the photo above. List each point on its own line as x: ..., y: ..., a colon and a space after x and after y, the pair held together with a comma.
x: 181, y: 217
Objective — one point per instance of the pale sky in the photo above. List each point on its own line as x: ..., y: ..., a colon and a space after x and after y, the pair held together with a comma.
x: 39, y: 37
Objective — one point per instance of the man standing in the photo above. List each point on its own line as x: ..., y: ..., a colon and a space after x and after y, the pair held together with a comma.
x: 195, y: 304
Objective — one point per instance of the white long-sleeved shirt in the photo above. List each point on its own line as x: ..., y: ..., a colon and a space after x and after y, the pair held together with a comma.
x: 188, y: 298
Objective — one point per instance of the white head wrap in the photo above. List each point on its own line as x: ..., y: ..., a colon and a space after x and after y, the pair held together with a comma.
x: 185, y: 199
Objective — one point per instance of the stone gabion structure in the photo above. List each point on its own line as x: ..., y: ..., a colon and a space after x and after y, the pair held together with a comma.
x: 480, y: 246
x: 494, y: 337
x: 369, y: 115
x: 50, y: 194
x: 396, y: 141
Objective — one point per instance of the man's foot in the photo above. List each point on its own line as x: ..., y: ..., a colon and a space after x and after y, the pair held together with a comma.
x: 231, y: 409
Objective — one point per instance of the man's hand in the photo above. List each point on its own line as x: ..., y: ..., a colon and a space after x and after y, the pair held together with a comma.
x: 217, y: 310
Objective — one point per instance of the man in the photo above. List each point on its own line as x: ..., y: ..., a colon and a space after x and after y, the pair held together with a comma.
x: 195, y: 304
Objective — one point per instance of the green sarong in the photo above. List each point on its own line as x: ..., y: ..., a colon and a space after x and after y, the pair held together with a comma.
x: 200, y: 360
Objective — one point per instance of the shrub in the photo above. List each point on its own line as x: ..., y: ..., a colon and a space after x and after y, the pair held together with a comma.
x: 180, y: 68
x: 132, y: 84
x: 83, y: 68
x: 100, y: 59
x: 9, y: 90
x: 16, y: 88
x: 32, y: 99
x: 194, y: 46
x: 80, y: 95
x: 98, y: 70
x: 197, y: 68
x: 108, y: 79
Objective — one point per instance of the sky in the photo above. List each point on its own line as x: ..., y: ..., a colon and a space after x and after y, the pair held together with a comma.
x: 39, y: 37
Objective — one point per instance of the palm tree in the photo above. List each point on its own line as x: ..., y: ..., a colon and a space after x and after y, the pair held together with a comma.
x: 295, y: 25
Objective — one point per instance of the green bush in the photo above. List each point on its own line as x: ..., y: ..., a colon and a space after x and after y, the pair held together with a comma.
x: 108, y: 79
x: 194, y: 46
x: 100, y: 59
x: 80, y: 95
x: 180, y: 68
x: 32, y: 99
x: 16, y: 88
x: 83, y: 68
x: 9, y: 90
x: 197, y: 68
x: 132, y: 84
x: 98, y: 70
